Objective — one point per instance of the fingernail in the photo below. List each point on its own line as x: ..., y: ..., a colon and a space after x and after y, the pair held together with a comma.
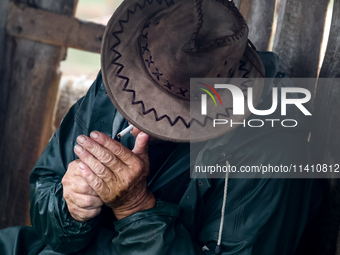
x: 143, y: 134
x: 94, y: 135
x: 82, y: 165
x: 78, y: 148
x: 81, y: 139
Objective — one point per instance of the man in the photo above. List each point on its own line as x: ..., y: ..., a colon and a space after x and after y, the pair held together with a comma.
x: 93, y: 194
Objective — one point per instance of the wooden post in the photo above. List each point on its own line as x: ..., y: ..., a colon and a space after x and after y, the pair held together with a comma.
x: 259, y: 15
x: 331, y: 63
x: 4, y: 64
x: 298, y: 39
x: 326, y: 135
x: 30, y: 97
x: 299, y: 36
x: 325, y: 142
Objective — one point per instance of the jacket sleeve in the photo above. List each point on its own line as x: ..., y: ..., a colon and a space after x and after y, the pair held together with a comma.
x: 263, y: 216
x: 49, y: 214
x: 154, y: 231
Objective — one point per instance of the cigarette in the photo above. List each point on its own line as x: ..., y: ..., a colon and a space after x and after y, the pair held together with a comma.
x: 125, y: 131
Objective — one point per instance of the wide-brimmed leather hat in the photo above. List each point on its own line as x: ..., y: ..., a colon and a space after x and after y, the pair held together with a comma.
x: 151, y: 49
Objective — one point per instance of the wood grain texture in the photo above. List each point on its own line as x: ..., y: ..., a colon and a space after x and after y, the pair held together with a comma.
x: 326, y: 132
x: 29, y: 110
x: 298, y: 40
x: 30, y: 23
x: 325, y: 142
x: 4, y: 72
x: 259, y: 15
x: 299, y: 36
x: 331, y: 64
x: 64, y: 7
x: 30, y: 93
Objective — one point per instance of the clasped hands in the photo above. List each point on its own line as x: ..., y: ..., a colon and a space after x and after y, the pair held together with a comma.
x: 107, y: 173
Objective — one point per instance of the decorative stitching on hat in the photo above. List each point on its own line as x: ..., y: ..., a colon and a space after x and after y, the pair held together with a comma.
x: 156, y: 71
x: 227, y: 111
x: 238, y: 35
x: 147, y: 25
x: 241, y: 68
x: 145, y: 48
x: 198, y: 7
x: 145, y: 36
x: 182, y: 92
x: 168, y: 85
x: 245, y: 75
x: 254, y: 66
x: 149, y: 61
x: 127, y: 80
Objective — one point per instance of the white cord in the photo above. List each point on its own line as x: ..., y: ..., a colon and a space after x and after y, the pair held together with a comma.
x: 223, y: 206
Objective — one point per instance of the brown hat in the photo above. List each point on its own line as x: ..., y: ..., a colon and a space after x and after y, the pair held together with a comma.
x: 151, y: 49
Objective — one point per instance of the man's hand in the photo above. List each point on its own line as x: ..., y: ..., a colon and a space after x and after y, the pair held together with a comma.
x: 115, y: 173
x: 82, y: 201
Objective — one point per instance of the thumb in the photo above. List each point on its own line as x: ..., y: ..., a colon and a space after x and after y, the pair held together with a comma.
x: 141, y: 145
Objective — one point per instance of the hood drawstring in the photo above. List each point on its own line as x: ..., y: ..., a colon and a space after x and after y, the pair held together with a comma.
x: 218, y: 246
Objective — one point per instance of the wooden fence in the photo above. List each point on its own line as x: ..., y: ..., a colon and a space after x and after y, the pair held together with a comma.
x: 32, y: 46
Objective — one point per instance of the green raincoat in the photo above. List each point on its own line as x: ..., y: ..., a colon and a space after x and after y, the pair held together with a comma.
x: 263, y: 216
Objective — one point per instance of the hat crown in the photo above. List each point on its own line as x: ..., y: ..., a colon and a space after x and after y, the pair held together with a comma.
x: 150, y: 51
x: 193, y: 39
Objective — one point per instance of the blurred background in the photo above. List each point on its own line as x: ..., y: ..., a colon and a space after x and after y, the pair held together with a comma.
x: 81, y: 63
x: 80, y: 68
x: 50, y: 52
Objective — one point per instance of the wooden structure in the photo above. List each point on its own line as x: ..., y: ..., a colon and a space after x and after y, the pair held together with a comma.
x: 32, y: 46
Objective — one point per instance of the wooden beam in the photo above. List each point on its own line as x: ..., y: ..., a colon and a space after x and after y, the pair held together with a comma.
x: 64, y: 7
x: 30, y: 23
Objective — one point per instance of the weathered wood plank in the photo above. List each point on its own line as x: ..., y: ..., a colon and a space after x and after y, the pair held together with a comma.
x: 326, y: 130
x: 65, y: 7
x: 30, y: 94
x: 325, y: 145
x: 30, y: 23
x: 298, y: 39
x: 325, y: 140
x: 259, y: 15
x: 29, y: 109
x: 331, y: 64
x: 4, y: 49
x: 299, y: 36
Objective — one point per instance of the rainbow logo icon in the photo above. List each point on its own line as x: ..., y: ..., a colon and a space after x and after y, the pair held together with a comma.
x: 204, y: 97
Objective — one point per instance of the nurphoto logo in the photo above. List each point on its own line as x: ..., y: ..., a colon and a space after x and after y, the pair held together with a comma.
x: 238, y: 104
